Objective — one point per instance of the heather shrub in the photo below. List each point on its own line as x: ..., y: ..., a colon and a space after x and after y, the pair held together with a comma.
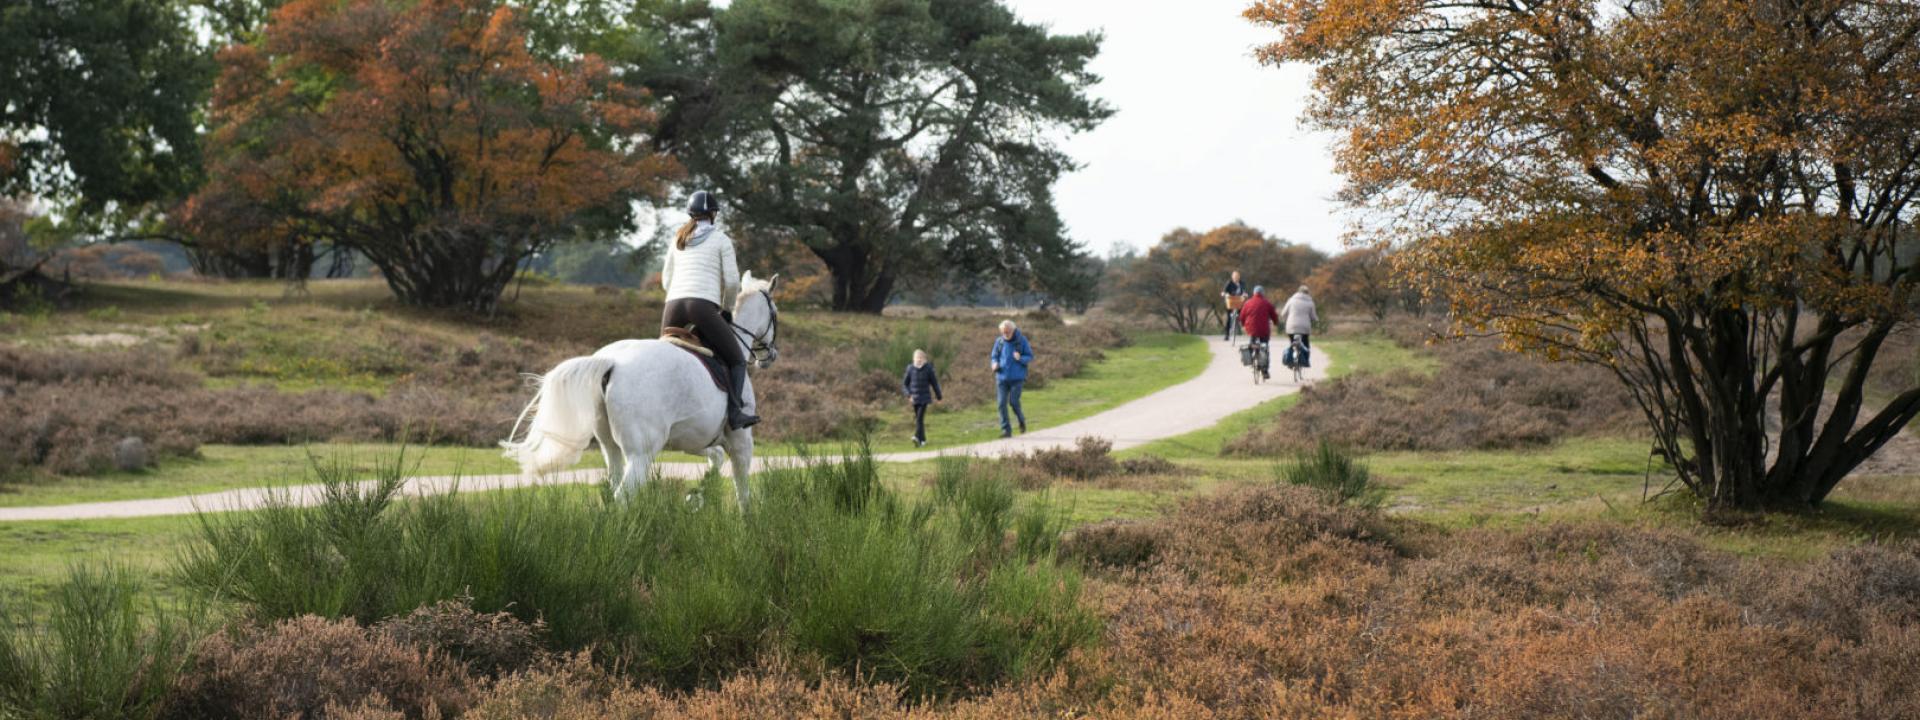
x: 1088, y: 459
x: 300, y: 667
x: 487, y: 643
x: 958, y: 591
x: 98, y: 649
x: 1854, y: 589
x: 1481, y: 398
x: 1148, y: 465
x: 1113, y: 543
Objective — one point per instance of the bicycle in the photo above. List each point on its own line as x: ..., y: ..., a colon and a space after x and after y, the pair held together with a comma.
x: 1261, y: 360
x: 1233, y: 325
x: 1296, y: 350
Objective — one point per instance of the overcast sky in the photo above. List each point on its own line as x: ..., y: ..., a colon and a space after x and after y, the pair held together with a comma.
x: 1203, y: 134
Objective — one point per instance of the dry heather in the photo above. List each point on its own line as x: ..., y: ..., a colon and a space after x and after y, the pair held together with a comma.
x: 1090, y: 461
x: 1481, y: 398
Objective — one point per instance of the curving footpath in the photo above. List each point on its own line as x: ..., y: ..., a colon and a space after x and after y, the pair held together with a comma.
x: 1223, y: 389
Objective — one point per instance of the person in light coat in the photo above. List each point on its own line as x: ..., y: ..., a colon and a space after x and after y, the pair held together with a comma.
x: 1299, y: 317
x: 701, y: 278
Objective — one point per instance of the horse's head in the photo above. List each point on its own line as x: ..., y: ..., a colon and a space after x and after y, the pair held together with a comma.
x: 757, y: 319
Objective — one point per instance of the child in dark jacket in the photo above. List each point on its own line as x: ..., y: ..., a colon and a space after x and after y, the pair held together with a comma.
x: 922, y: 386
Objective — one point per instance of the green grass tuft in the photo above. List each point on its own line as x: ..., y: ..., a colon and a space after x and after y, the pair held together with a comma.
x: 683, y: 588
x: 1334, y: 471
x: 99, y: 651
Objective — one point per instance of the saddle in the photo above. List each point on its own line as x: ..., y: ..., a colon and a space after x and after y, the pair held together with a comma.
x: 685, y: 339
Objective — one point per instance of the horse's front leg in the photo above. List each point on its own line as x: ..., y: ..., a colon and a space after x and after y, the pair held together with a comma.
x: 740, y: 451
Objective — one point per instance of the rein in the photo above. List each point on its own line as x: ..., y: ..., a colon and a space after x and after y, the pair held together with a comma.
x: 760, y: 345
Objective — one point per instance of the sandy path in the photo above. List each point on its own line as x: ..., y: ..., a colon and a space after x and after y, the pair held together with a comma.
x: 1223, y: 389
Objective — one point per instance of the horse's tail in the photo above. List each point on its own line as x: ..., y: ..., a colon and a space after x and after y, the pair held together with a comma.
x: 565, y: 410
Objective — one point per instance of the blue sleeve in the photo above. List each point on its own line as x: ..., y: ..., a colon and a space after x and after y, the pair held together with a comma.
x: 933, y: 378
x: 906, y: 381
x: 1026, y: 350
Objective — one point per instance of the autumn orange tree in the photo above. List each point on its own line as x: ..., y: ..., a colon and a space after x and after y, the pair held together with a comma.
x: 1179, y: 280
x: 1363, y: 277
x: 426, y: 136
x: 1711, y: 198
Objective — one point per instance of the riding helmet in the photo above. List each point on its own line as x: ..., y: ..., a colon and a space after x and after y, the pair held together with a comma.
x: 702, y: 203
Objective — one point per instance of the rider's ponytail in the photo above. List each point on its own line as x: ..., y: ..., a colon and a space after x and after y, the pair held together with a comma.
x: 686, y: 231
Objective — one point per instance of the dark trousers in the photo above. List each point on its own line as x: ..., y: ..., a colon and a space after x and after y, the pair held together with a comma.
x: 920, y: 421
x: 714, y: 331
x: 1009, y: 394
x: 1306, y: 341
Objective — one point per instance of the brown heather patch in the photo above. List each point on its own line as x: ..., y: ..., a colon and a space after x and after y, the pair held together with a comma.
x: 301, y: 668
x: 1481, y: 398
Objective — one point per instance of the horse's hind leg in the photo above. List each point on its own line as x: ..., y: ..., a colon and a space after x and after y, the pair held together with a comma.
x: 609, y: 449
x: 638, y: 464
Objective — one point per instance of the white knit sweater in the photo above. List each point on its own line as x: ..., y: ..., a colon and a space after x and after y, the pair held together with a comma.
x: 1299, y: 314
x: 705, y: 269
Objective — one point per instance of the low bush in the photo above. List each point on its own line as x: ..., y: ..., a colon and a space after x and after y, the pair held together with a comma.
x: 1148, y: 465
x: 308, y: 667
x: 489, y: 644
x: 101, y: 650
x: 829, y: 563
x: 1089, y: 458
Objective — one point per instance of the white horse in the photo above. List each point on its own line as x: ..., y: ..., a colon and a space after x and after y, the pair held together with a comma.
x: 639, y: 397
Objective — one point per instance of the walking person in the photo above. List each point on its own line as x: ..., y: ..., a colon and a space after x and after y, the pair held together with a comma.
x: 701, y: 278
x: 1300, y: 316
x: 1235, y: 296
x: 1257, y: 317
x: 922, y: 386
x: 1011, y: 355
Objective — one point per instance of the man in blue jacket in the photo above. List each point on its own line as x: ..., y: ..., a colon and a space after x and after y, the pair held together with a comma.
x: 1011, y: 354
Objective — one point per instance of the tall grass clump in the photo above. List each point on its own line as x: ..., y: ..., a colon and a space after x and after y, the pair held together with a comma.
x: 97, y: 648
x: 1334, y: 471
x: 827, y: 563
x: 896, y: 352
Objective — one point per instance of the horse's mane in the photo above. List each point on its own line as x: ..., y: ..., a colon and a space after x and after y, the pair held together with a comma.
x: 750, y: 285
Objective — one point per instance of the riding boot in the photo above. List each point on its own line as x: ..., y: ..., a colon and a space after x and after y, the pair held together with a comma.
x: 737, y: 416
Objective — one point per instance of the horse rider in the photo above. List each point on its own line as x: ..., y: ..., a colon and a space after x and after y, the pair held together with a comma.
x: 701, y: 276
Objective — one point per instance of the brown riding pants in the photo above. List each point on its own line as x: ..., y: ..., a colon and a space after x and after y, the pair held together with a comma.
x: 714, y: 331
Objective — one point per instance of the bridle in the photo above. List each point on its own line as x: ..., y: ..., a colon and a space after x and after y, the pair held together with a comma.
x: 760, y: 347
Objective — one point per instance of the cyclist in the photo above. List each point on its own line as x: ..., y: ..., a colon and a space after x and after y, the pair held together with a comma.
x: 1235, y: 296
x: 1258, y: 318
x: 1300, y: 315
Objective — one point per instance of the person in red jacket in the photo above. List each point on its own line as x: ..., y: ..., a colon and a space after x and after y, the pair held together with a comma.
x: 1258, y: 317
